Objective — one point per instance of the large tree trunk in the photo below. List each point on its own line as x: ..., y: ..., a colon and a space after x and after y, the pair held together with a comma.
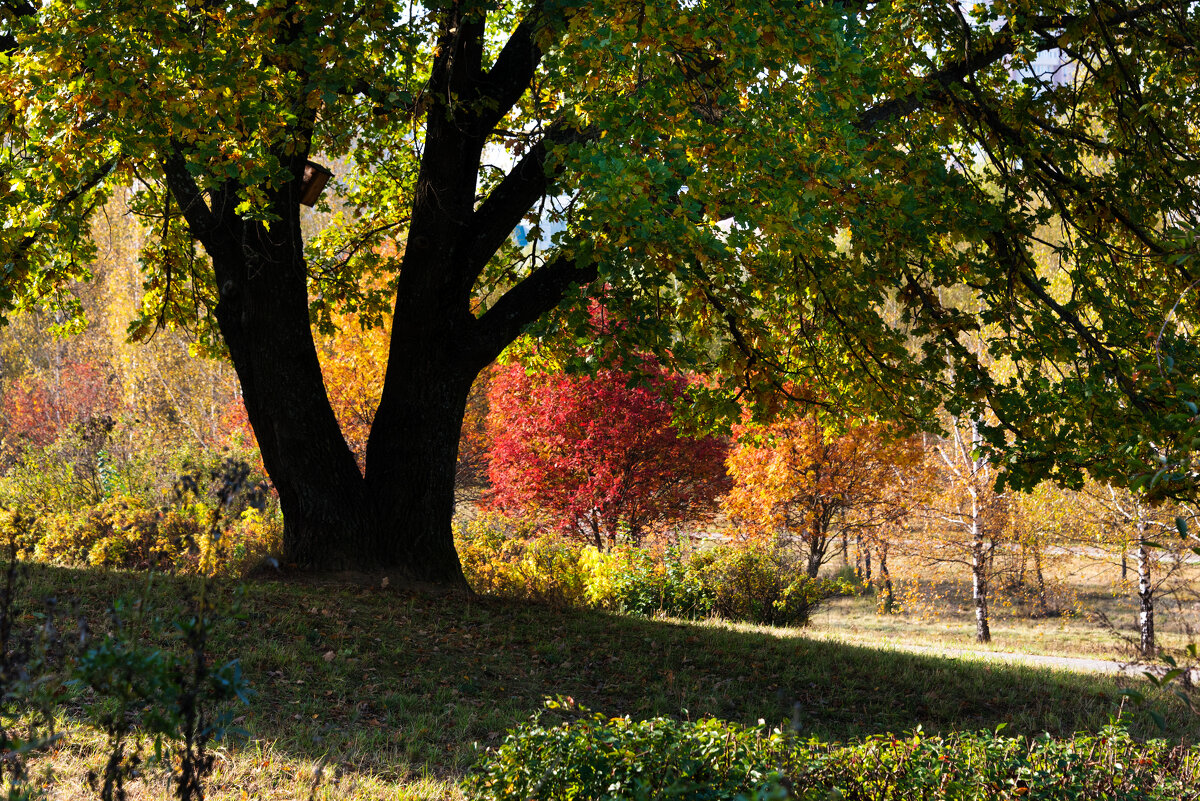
x: 411, y: 457
x: 398, y: 516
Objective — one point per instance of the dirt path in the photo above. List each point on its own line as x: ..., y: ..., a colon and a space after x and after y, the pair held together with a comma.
x: 1076, y: 664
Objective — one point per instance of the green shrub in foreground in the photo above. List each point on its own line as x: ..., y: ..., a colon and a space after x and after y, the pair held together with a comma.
x: 595, y: 758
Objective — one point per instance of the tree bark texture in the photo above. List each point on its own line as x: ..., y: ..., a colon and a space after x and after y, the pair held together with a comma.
x: 1146, y: 645
x: 979, y: 575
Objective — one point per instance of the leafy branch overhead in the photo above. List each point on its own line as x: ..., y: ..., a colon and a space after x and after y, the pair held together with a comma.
x: 829, y: 195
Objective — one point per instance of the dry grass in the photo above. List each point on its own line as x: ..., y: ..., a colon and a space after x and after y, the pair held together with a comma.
x: 1093, y: 612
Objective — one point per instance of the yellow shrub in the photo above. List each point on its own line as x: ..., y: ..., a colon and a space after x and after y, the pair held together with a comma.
x: 505, y: 557
x: 20, y: 530
x: 605, y: 574
x: 253, y: 538
x: 122, y: 532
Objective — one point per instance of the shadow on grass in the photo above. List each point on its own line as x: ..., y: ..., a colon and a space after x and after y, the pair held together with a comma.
x: 401, y: 683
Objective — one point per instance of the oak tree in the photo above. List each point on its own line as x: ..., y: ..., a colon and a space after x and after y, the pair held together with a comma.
x: 749, y: 185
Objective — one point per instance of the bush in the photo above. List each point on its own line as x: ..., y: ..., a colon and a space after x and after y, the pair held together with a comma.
x: 119, y: 532
x: 669, y: 586
x: 600, y: 759
x: 506, y: 558
x: 759, y: 585
x: 122, y: 532
x: 255, y: 537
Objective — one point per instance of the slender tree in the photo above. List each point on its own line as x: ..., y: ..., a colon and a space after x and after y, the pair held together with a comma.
x: 1148, y: 529
x: 968, y: 518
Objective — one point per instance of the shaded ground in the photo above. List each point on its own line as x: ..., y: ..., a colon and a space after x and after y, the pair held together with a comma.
x: 401, y: 684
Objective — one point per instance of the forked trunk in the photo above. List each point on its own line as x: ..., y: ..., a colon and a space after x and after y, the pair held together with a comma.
x: 399, y: 517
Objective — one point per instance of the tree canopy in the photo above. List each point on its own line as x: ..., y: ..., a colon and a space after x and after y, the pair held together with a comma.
x: 821, y: 194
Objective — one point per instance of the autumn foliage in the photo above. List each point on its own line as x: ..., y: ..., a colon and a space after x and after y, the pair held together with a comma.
x: 597, y: 455
x: 40, y: 406
x: 797, y: 482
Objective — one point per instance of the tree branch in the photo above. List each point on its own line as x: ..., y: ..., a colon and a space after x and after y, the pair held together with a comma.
x: 14, y: 12
x: 493, y: 222
x: 200, y: 219
x: 1004, y: 44
x: 538, y: 293
x: 514, y: 69
x: 1018, y: 260
x: 87, y: 185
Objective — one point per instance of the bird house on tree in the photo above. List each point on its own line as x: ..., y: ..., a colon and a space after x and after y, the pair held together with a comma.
x: 312, y: 183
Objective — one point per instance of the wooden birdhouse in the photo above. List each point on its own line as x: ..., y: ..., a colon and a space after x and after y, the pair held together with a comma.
x: 313, y: 182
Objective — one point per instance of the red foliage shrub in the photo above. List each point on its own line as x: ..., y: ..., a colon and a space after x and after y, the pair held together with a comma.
x: 39, y: 407
x: 596, y: 454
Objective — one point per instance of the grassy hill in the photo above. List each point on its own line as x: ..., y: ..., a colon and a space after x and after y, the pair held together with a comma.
x: 391, y: 692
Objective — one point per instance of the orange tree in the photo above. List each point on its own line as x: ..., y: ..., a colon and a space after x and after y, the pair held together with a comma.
x: 799, y: 482
x: 749, y: 185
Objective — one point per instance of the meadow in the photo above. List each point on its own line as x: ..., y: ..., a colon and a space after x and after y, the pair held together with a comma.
x: 364, y: 691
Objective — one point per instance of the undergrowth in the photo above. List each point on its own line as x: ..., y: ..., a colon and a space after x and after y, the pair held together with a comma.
x: 602, y: 758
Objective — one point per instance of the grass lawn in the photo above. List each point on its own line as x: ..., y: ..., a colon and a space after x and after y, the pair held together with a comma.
x: 1094, y: 613
x: 1080, y: 633
x: 391, y: 692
